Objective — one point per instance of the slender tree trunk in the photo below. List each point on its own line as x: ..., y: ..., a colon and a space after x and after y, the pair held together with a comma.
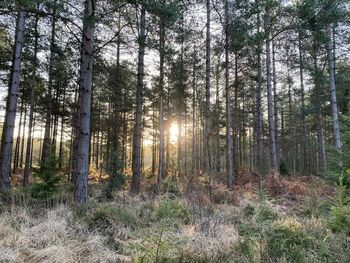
x: 194, y: 94
x: 32, y: 104
x: 236, y: 129
x: 207, y: 130
x: 47, y: 136
x: 18, y: 140
x: 332, y: 86
x: 291, y: 122
x: 259, y: 118
x: 275, y: 101
x: 11, y: 104
x: 217, y: 102
x: 136, y: 150
x: 60, y: 156
x: 23, y: 134
x: 305, y: 140
x: 229, y: 157
x: 273, y: 154
x: 86, y: 69
x: 319, y: 120
x: 32, y: 145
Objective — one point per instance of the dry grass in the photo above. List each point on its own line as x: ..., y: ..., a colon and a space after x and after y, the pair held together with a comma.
x: 132, y: 229
x: 56, y: 237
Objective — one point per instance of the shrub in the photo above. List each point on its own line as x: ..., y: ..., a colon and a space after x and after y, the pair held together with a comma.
x: 104, y: 217
x: 286, y: 240
x: 171, y: 186
x: 340, y: 212
x: 170, y: 209
x: 284, y: 170
x: 48, y: 180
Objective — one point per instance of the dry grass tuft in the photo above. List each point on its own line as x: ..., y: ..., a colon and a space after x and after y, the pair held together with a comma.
x: 56, y: 237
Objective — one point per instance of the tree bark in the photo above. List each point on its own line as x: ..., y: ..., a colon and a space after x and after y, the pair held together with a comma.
x: 259, y: 119
x: 229, y: 159
x: 207, y: 130
x: 11, y: 105
x: 46, y: 152
x: 18, y: 140
x: 275, y: 102
x: 306, y: 156
x: 332, y: 86
x: 136, y: 149
x: 161, y: 164
x: 27, y: 164
x: 86, y: 69
x: 273, y: 155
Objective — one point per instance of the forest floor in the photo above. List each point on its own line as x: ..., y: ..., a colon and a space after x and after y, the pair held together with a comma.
x: 278, y: 219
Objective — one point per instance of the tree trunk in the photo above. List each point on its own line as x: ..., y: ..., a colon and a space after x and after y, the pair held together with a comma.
x: 46, y: 152
x: 305, y: 140
x: 218, y: 152
x: 194, y: 94
x: 332, y: 86
x: 273, y: 154
x: 31, y: 109
x: 229, y: 158
x: 275, y: 101
x: 18, y: 140
x: 236, y: 126
x: 207, y: 130
x: 136, y: 150
x: 11, y: 105
x: 86, y: 69
x: 319, y: 120
x: 60, y: 156
x: 259, y: 119
x: 161, y: 109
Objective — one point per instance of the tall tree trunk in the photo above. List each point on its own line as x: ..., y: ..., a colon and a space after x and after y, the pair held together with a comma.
x: 46, y: 152
x: 229, y: 156
x: 332, y: 86
x: 273, y: 154
x: 18, y: 140
x: 60, y: 156
x: 11, y: 105
x: 32, y: 104
x: 86, y: 69
x: 207, y: 130
x: 136, y: 149
x: 23, y: 134
x: 194, y: 94
x: 319, y: 119
x: 236, y: 126
x: 275, y: 101
x: 161, y: 109
x: 305, y: 140
x: 259, y: 118
x: 217, y: 102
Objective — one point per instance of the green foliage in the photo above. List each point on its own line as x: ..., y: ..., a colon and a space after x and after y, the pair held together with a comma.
x: 159, y: 247
x: 105, y: 216
x: 284, y: 170
x: 48, y: 180
x: 249, y: 210
x: 170, y: 210
x: 171, y: 186
x: 340, y: 212
x: 286, y: 240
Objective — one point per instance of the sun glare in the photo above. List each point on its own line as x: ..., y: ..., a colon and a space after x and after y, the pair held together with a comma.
x: 174, y: 132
